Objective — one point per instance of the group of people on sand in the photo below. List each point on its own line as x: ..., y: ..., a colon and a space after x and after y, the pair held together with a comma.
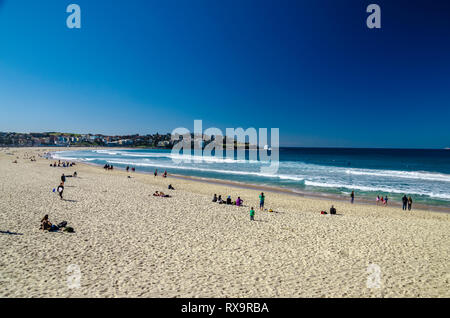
x: 218, y: 199
x: 239, y: 202
x: 133, y: 169
x: 382, y: 200
x: 108, y: 167
x: 332, y: 211
x: 164, y: 175
x: 407, y: 203
x: 64, y: 164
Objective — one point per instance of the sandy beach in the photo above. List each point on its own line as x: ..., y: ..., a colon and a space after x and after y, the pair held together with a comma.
x: 128, y: 243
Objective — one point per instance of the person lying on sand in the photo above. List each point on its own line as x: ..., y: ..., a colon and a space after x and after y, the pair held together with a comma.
x: 46, y: 225
x: 161, y: 194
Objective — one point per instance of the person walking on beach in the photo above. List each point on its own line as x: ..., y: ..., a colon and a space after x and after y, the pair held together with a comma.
x: 352, y: 196
x: 128, y: 168
x: 61, y: 190
x: 261, y: 201
x: 63, y: 179
x: 405, y: 202
x: 409, y: 204
x: 156, y: 173
x: 378, y: 199
x: 252, y: 214
x: 385, y: 200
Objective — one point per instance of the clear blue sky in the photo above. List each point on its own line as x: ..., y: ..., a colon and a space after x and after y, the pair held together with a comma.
x: 311, y: 68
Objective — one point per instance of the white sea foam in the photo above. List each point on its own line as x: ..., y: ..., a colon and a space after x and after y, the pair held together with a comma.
x: 445, y: 196
x: 420, y: 175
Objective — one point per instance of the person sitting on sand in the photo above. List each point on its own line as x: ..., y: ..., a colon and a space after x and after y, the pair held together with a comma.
x: 75, y: 174
x: 239, y: 201
x: 333, y: 210
x: 220, y: 199
x: 46, y: 225
x: 214, y: 198
x: 170, y: 187
x: 229, y: 200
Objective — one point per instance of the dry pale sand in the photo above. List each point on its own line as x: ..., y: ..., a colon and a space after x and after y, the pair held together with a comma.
x: 131, y: 244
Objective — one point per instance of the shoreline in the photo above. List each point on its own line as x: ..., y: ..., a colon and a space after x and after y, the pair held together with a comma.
x: 275, y: 189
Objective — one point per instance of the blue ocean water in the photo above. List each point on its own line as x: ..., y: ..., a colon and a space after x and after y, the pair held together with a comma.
x: 422, y: 174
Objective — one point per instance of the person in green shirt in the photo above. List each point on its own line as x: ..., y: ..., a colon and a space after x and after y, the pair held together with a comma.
x: 261, y: 201
x: 252, y: 214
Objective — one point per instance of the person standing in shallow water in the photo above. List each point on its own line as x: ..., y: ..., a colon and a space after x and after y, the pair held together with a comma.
x: 352, y: 196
